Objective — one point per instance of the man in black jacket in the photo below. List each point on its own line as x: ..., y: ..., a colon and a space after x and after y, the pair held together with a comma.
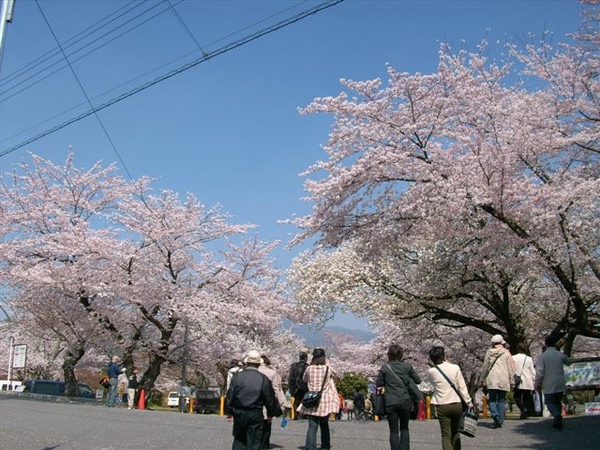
x: 296, y: 385
x: 249, y: 391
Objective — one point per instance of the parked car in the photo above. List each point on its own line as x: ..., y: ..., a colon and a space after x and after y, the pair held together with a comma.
x: 12, y: 385
x: 207, y: 401
x: 173, y: 399
x: 52, y: 387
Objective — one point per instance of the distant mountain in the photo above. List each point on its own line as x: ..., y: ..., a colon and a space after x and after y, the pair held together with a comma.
x: 316, y: 337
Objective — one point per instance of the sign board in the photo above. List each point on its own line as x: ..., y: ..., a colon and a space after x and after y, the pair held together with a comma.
x: 592, y: 409
x: 583, y: 374
x: 19, y: 355
x: 99, y: 393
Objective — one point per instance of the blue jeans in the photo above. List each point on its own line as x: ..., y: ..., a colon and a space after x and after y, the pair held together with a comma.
x: 399, y: 435
x: 497, y: 402
x: 314, y: 423
x: 111, y: 398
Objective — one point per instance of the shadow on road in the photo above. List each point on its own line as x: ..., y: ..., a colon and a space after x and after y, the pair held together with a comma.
x: 581, y: 432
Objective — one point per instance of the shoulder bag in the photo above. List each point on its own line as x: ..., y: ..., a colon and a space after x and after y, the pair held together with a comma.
x: 414, y: 399
x: 312, y: 398
x: 470, y: 416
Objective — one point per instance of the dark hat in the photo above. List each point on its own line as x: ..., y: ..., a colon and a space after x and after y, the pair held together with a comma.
x: 318, y: 352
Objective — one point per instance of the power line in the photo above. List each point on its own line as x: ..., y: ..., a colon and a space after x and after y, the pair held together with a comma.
x: 83, y: 90
x: 68, y: 43
x: 49, y: 55
x: 185, y: 67
x: 185, y: 27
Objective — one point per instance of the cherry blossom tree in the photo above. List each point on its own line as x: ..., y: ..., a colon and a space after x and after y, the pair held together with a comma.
x: 106, y: 264
x: 462, y: 196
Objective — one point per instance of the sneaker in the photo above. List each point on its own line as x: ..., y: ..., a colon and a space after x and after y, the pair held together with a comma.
x: 497, y: 423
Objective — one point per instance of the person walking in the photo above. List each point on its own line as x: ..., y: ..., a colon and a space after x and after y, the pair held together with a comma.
x: 359, y: 403
x: 318, y: 375
x: 349, y: 408
x: 397, y: 380
x: 449, y: 393
x: 550, y: 377
x: 234, y: 367
x: 132, y: 387
x: 497, y: 372
x: 296, y: 385
x: 525, y: 372
x: 248, y: 393
x: 266, y: 369
x: 112, y: 372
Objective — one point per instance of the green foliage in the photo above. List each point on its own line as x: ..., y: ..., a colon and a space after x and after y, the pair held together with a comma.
x: 349, y: 382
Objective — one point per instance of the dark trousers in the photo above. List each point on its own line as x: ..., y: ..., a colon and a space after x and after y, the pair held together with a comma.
x: 524, y: 400
x: 247, y: 429
x: 449, y: 417
x: 398, y: 417
x: 554, y: 403
x: 298, y: 396
x: 266, y: 434
x: 314, y: 423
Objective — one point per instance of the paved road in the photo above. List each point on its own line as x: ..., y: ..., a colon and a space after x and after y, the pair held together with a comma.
x: 33, y: 424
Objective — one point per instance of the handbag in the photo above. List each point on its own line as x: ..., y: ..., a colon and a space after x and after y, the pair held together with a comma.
x: 468, y: 422
x: 415, y: 400
x: 469, y: 417
x: 312, y: 398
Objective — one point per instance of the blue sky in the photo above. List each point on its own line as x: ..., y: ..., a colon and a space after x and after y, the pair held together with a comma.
x: 228, y: 129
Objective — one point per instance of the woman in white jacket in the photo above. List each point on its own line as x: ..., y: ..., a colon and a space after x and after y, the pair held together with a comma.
x: 449, y: 393
x: 523, y: 392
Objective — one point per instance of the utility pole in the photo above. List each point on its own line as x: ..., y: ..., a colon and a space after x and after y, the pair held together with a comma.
x: 6, y: 14
x: 182, y: 388
x: 11, y: 354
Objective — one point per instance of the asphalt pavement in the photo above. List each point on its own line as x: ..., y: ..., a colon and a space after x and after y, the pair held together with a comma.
x: 35, y: 424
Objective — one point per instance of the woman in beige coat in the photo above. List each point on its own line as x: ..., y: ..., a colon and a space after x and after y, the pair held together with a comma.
x: 497, y: 372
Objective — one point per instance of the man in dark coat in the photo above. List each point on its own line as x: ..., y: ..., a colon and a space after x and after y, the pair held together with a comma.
x: 249, y: 391
x: 296, y: 385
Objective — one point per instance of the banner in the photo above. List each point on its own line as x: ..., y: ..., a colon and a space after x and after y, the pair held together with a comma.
x: 582, y: 374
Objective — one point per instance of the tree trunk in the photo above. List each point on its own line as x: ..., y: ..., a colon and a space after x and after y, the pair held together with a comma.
x: 73, y: 355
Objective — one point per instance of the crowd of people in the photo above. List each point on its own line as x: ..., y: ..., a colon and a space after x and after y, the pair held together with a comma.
x: 120, y: 385
x: 256, y: 393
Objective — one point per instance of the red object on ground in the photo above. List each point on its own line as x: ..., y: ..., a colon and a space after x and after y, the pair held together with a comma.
x: 142, y: 400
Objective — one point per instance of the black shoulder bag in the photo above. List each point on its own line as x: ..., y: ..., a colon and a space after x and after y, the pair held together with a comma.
x: 312, y: 398
x: 470, y: 416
